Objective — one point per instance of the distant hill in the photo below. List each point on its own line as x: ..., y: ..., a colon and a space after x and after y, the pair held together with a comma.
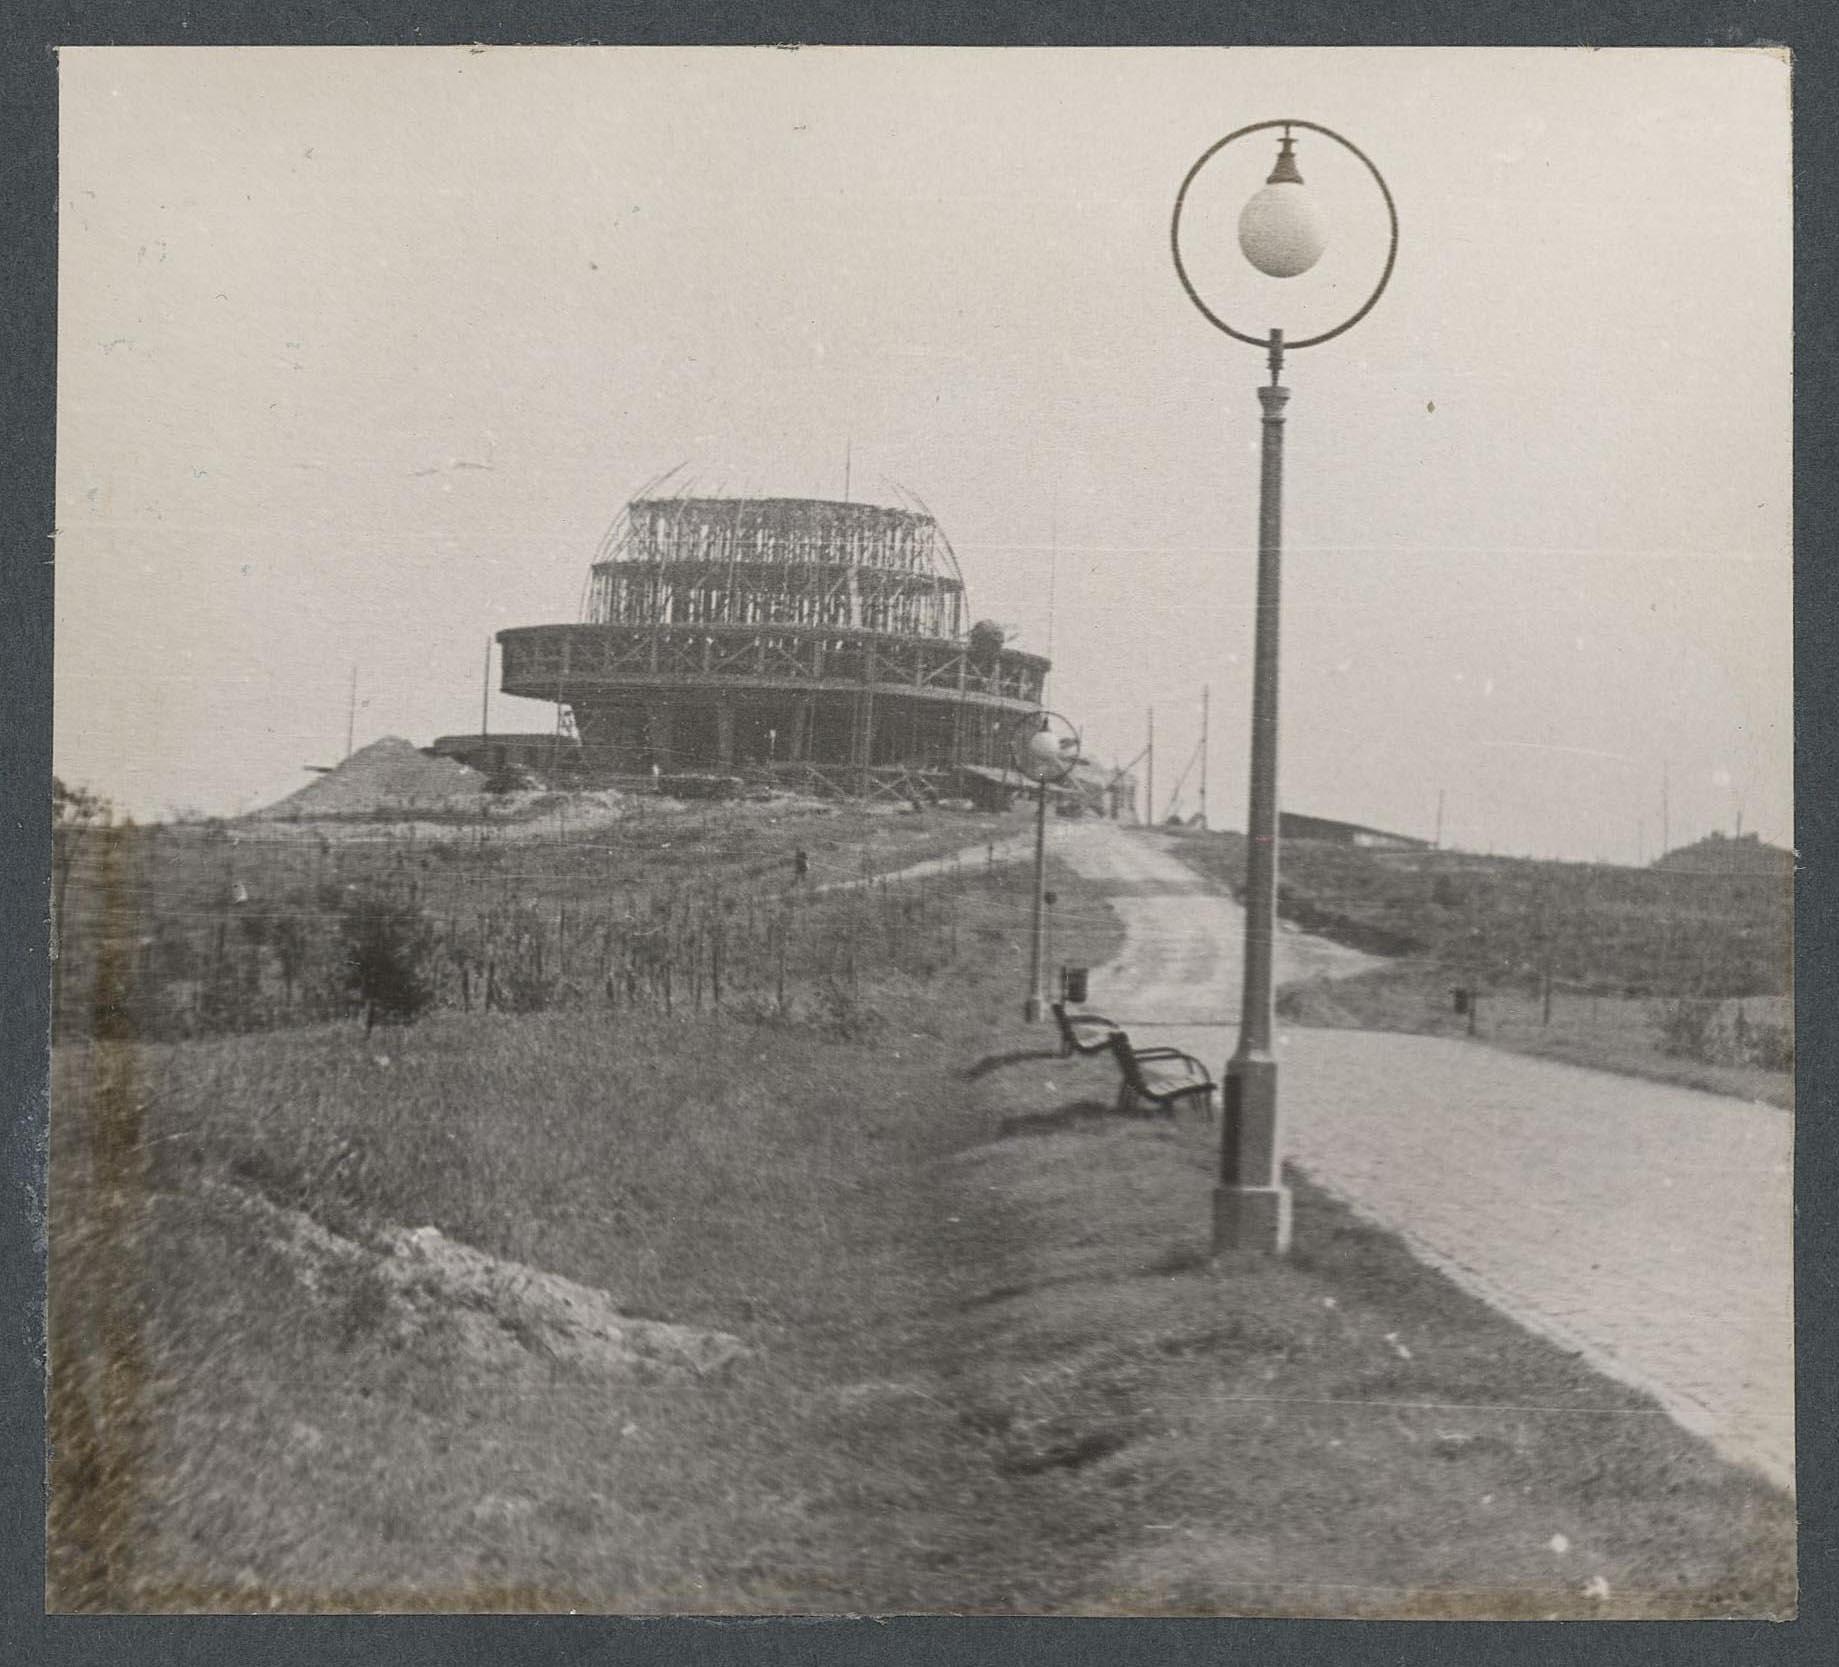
x: 1662, y: 933
x: 388, y: 775
x: 1717, y: 854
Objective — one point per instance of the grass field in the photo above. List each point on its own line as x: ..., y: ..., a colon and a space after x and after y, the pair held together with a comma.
x: 230, y: 1438
x: 183, y: 930
x: 1653, y: 932
x: 990, y: 1366
x: 1624, y: 949
x: 1606, y: 1033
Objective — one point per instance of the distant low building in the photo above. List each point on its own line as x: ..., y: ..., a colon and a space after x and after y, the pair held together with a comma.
x: 1290, y: 825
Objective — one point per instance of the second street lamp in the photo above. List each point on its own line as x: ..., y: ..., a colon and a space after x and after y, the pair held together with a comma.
x: 1044, y: 748
x: 1282, y: 234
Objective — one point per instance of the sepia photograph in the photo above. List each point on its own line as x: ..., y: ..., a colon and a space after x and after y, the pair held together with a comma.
x: 923, y: 831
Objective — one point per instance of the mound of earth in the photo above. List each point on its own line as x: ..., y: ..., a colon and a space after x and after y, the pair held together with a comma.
x: 419, y: 1277
x: 388, y: 775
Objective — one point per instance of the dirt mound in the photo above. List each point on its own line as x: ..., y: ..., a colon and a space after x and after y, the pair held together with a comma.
x: 419, y: 1277
x: 388, y: 775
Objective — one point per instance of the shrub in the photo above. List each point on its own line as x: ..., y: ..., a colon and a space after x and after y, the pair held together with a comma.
x: 1687, y: 1029
x: 1770, y: 1046
x: 840, y: 1014
x: 519, y: 986
x: 388, y: 955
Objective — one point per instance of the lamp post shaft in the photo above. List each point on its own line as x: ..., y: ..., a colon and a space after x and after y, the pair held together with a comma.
x: 1036, y: 1007
x: 1251, y: 1206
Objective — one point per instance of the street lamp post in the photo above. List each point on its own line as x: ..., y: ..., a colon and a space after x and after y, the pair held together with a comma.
x: 1045, y: 749
x: 1282, y: 235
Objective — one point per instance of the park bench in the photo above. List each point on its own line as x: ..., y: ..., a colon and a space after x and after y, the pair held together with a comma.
x: 1162, y: 1076
x: 1081, y: 1032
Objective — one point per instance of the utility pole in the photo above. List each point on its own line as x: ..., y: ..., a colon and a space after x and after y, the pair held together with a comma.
x: 1666, y: 831
x: 1438, y: 841
x: 1205, y: 697
x: 1053, y: 573
x: 1149, y: 775
x: 351, y: 711
x: 485, y: 698
x: 1036, y: 1005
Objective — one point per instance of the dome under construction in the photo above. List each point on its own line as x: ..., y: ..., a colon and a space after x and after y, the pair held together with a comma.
x: 816, y: 644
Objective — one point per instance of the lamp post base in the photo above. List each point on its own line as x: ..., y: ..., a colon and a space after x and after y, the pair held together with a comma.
x: 1251, y: 1220
x: 1034, y: 1009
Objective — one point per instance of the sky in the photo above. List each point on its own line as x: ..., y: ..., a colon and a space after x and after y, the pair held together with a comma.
x: 361, y: 350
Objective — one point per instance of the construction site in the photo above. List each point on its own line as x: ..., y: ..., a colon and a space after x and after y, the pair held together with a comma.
x: 806, y: 644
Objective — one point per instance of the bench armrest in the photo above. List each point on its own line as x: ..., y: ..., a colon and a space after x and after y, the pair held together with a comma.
x: 1173, y: 1053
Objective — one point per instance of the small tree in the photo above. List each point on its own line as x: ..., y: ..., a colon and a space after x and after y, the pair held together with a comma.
x: 388, y: 957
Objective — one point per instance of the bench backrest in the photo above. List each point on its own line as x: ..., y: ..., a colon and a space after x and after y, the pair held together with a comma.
x: 1070, y: 1032
x: 1119, y: 1041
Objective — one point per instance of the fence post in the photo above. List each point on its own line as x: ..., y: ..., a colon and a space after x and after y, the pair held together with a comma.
x: 784, y: 924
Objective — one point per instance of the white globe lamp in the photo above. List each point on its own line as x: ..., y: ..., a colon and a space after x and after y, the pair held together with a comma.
x: 1045, y: 758
x: 1281, y: 230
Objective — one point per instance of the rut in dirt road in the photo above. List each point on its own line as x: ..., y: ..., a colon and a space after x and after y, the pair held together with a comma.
x: 1648, y: 1227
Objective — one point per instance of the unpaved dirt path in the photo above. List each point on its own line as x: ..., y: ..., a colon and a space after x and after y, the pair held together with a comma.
x: 970, y: 859
x: 1182, y: 939
x: 1648, y: 1227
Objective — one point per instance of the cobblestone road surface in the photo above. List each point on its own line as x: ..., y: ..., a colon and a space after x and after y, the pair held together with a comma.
x: 1647, y: 1226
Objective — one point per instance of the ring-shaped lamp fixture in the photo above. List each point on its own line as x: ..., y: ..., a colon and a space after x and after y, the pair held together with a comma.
x: 1044, y: 747
x: 1181, y: 197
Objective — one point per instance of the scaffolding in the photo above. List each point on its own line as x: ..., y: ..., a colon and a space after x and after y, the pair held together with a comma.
x: 777, y: 561
x: 804, y: 639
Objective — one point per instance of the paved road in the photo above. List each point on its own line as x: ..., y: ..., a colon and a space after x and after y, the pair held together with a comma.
x: 1647, y: 1226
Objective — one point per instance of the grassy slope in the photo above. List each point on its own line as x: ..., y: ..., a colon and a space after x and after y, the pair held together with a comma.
x: 1343, y: 1433
x: 170, y: 902
x: 779, y: 1180
x: 1373, y: 905
x: 1605, y: 1033
x: 993, y: 1370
